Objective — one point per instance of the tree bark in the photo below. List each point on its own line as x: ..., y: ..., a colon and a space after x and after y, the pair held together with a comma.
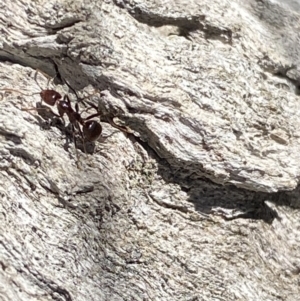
x: 199, y: 199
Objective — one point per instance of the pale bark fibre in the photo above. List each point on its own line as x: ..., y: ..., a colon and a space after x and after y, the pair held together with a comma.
x: 199, y: 200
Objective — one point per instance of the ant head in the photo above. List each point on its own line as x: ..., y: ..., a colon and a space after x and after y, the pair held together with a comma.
x: 50, y: 97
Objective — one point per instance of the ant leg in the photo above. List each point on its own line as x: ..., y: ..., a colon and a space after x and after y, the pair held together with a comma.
x: 83, y: 99
x: 74, y: 91
x: 75, y: 145
x: 92, y: 105
x: 82, y: 137
x: 40, y: 109
x: 124, y: 129
x: 66, y: 98
x: 71, y: 88
x: 92, y: 116
x: 83, y: 140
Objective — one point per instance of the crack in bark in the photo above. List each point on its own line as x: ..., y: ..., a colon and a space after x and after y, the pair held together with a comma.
x: 185, y: 24
x: 42, y: 281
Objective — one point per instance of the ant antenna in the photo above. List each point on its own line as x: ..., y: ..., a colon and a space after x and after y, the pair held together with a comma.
x: 35, y: 78
x: 46, y: 75
x: 77, y: 96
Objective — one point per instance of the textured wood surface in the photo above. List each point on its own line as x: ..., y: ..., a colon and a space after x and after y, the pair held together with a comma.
x: 200, y: 201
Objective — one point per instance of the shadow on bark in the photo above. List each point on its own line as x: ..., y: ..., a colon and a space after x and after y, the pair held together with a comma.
x: 226, y: 200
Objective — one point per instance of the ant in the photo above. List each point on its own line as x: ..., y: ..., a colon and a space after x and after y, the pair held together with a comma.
x: 91, y: 129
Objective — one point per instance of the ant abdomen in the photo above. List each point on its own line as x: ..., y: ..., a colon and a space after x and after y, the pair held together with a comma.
x: 91, y: 130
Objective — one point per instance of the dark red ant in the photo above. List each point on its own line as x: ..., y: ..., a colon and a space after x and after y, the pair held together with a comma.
x: 91, y: 129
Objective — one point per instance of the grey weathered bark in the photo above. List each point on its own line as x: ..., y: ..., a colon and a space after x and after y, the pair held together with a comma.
x: 201, y: 202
